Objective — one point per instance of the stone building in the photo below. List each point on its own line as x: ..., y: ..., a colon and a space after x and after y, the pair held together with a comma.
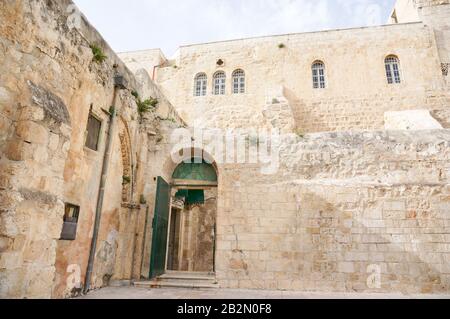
x: 95, y: 191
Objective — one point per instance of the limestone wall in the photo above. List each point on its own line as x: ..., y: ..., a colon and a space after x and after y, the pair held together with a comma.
x: 436, y: 14
x: 49, y: 84
x: 405, y: 11
x: 146, y: 59
x: 357, y: 93
x: 430, y: 3
x: 341, y: 202
x: 342, y: 207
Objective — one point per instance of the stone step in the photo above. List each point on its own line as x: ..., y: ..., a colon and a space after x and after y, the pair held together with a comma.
x: 186, y: 281
x: 197, y: 273
x: 181, y: 279
x: 178, y: 284
x: 187, y: 276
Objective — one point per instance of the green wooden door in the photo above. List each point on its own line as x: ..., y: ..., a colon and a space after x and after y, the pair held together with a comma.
x: 160, y: 227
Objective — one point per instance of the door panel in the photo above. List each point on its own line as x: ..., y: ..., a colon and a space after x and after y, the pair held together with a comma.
x: 160, y: 227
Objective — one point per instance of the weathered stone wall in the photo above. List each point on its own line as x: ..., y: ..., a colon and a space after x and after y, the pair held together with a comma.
x: 341, y: 206
x: 405, y: 11
x: 37, y: 130
x: 49, y: 83
x: 339, y: 203
x: 357, y: 93
x: 436, y: 15
x: 148, y: 60
x: 430, y: 3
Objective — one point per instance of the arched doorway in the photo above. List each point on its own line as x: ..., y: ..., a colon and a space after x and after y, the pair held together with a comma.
x: 184, y: 227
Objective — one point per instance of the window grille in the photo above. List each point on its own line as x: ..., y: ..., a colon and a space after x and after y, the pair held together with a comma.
x: 201, y: 82
x: 318, y: 73
x: 219, y: 83
x: 392, y: 65
x: 238, y: 82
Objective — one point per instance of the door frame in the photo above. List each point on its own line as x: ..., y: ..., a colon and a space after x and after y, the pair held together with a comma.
x: 193, y: 186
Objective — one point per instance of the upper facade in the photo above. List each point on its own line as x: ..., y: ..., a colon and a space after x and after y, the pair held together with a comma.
x: 311, y: 82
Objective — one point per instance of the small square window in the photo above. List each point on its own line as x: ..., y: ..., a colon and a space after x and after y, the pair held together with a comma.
x: 93, y: 132
x: 71, y: 215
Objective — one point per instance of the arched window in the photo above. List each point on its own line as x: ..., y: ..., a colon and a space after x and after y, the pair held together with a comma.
x: 392, y: 65
x: 219, y: 83
x: 238, y: 81
x: 318, y: 73
x: 201, y: 84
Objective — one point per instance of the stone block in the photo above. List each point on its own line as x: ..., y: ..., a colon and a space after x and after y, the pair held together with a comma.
x: 357, y: 256
x: 396, y: 215
x: 237, y: 264
x: 348, y: 198
x: 346, y: 267
x: 411, y: 120
x: 53, y: 105
x: 39, y: 282
x: 32, y: 132
x: 31, y: 113
x: 373, y: 223
x: 395, y: 205
x: 17, y: 150
x: 5, y: 244
x: 373, y: 214
x: 53, y: 142
x: 249, y: 245
x: 41, y: 252
x: 6, y: 98
x: 5, y: 125
x: 11, y: 260
x: 8, y: 224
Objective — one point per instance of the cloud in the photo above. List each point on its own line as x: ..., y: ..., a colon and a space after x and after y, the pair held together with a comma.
x: 167, y: 24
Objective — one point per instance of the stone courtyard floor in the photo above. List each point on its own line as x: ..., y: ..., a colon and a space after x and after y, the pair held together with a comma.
x: 171, y: 293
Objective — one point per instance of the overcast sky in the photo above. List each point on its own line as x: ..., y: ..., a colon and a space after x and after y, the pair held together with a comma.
x: 167, y: 24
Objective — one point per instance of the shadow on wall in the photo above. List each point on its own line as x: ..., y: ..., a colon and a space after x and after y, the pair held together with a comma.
x: 303, y: 114
x: 345, y: 239
x: 443, y: 117
x: 331, y: 238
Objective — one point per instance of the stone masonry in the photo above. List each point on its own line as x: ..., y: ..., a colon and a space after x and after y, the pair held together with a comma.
x: 49, y: 84
x: 352, y: 208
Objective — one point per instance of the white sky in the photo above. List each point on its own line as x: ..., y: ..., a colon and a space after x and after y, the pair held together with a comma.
x: 167, y: 24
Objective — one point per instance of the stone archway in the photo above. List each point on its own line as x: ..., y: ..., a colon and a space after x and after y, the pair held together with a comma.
x: 127, y: 258
x: 192, y: 216
x: 192, y: 231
